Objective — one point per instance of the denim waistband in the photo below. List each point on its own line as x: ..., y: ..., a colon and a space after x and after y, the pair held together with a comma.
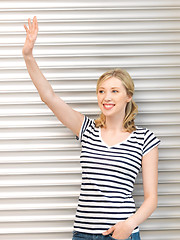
x: 88, y: 236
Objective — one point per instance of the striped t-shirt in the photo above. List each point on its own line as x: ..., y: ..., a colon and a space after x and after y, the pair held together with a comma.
x: 108, y: 176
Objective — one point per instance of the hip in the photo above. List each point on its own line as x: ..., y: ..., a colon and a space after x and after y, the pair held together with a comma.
x: 88, y: 236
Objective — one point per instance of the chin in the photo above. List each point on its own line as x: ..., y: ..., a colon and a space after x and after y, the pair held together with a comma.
x: 108, y: 114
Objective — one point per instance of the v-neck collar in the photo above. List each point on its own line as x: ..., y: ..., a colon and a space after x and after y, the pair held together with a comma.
x: 108, y: 146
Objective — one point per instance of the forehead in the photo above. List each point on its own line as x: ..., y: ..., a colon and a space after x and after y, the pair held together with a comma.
x: 111, y: 82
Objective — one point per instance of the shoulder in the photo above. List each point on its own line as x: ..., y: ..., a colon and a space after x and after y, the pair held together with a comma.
x: 149, y: 139
x: 143, y: 133
x: 146, y: 132
x: 88, y: 123
x: 141, y: 130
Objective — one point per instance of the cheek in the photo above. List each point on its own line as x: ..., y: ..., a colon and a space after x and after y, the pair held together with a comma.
x: 99, y: 98
x: 123, y: 98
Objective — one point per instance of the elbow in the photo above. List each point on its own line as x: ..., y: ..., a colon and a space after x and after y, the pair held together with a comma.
x: 153, y: 201
x: 43, y: 99
x: 47, y: 98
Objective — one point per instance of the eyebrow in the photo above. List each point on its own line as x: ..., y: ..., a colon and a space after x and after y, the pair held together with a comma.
x: 111, y: 87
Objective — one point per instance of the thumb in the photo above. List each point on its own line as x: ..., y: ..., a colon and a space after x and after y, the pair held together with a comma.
x: 110, y: 230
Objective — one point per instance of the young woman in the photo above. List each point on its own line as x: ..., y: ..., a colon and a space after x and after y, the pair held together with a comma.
x: 113, y: 151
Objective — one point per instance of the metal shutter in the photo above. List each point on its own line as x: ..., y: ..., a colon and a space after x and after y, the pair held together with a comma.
x: 78, y: 40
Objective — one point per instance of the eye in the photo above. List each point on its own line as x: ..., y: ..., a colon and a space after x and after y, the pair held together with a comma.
x: 101, y: 91
x: 115, y: 91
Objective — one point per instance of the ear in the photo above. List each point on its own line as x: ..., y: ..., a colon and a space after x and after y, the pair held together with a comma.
x: 129, y: 98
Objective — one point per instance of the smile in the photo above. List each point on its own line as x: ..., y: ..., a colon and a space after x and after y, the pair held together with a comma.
x: 108, y: 106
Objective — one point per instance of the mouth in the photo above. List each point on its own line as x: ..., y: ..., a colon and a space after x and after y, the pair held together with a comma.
x: 108, y: 106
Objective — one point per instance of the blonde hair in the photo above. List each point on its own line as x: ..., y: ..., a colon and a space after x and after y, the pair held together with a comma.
x: 131, y: 107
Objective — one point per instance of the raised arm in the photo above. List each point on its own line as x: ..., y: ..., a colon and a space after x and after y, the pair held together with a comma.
x: 68, y: 116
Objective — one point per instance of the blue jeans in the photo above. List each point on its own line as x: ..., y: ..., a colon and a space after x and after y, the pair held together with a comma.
x: 89, y: 236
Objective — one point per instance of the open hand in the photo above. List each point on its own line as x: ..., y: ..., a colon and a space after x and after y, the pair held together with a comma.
x: 121, y: 230
x: 31, y: 35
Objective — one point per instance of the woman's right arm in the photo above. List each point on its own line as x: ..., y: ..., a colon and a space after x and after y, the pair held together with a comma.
x: 68, y: 116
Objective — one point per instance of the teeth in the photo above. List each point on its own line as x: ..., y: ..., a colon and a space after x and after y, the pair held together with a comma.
x: 108, y: 105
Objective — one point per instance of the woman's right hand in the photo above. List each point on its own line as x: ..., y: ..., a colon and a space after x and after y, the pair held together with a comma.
x: 31, y: 35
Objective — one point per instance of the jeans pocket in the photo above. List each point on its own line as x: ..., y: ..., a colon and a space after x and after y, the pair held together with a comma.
x: 74, y: 233
x: 129, y: 238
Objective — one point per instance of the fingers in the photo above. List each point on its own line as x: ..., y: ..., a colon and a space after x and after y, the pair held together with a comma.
x: 34, y: 23
x: 110, y: 230
x: 26, y: 28
x: 33, y: 26
x: 29, y: 24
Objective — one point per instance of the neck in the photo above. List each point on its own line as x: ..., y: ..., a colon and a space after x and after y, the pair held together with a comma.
x: 115, y: 123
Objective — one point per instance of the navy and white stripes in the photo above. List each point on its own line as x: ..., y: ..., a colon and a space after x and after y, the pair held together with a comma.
x: 108, y: 176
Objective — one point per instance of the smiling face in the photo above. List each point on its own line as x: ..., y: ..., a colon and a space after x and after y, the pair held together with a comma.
x: 112, y: 97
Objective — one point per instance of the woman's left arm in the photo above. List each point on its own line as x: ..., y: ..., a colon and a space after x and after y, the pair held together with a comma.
x: 150, y: 185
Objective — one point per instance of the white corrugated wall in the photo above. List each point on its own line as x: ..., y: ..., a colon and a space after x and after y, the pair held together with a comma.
x: 78, y: 40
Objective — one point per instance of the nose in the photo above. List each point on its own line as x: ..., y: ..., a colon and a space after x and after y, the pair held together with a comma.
x: 107, y: 97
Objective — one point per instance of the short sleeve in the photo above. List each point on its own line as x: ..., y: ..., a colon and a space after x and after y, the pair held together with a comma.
x: 150, y: 141
x: 84, y: 126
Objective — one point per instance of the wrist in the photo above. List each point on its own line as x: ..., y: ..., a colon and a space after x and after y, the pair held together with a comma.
x: 131, y: 222
x: 28, y: 56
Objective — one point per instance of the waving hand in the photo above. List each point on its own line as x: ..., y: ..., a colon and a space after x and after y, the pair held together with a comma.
x: 31, y: 35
